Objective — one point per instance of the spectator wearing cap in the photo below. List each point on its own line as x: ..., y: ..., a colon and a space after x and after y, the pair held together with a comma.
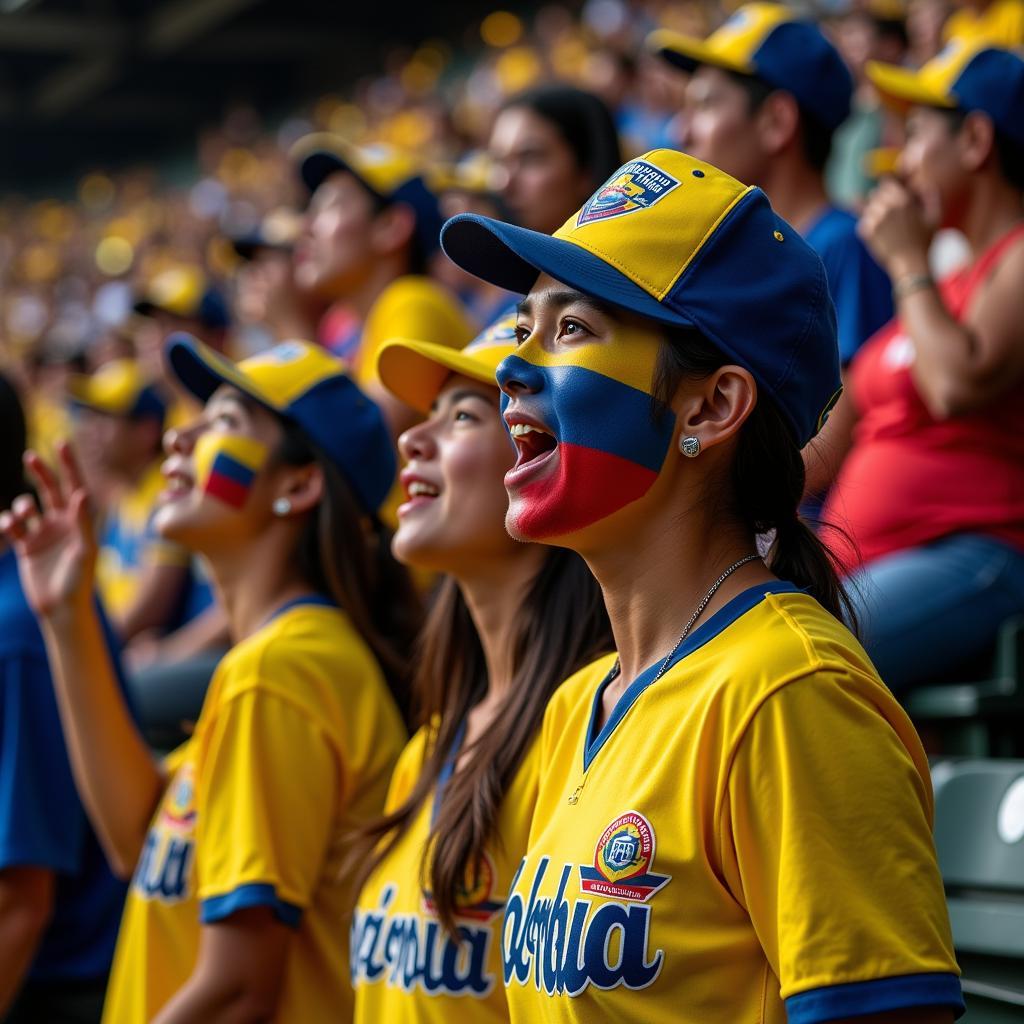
x: 767, y: 94
x: 553, y: 144
x: 932, y: 489
x: 59, y: 904
x: 369, y: 238
x: 183, y: 299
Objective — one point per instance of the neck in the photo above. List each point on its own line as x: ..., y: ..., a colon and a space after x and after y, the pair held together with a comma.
x: 495, y: 594
x: 796, y: 190
x: 255, y: 580
x: 659, y: 572
x: 992, y: 208
x: 381, y: 273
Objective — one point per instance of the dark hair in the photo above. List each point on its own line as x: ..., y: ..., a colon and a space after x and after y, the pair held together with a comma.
x: 14, y: 433
x: 815, y: 138
x: 583, y: 120
x: 767, y: 478
x: 562, y: 626
x: 1009, y: 152
x: 346, y: 555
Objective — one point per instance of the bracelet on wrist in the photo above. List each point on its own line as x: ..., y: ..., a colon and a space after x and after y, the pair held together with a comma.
x: 910, y: 283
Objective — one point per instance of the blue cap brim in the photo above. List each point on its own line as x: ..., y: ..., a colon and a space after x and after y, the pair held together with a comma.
x: 512, y: 258
x: 200, y: 370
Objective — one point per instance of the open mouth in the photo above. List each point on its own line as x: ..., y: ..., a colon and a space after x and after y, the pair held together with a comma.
x: 418, y: 492
x: 177, y: 484
x: 532, y: 442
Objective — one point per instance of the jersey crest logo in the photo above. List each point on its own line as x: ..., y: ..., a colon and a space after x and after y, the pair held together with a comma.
x: 622, y: 861
x: 638, y: 186
x: 473, y: 898
x: 179, y: 811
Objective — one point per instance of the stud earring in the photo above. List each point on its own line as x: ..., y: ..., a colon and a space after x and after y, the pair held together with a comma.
x: 690, y: 447
x: 282, y: 507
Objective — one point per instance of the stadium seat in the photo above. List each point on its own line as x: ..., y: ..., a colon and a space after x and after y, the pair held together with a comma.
x: 983, y: 718
x: 979, y: 835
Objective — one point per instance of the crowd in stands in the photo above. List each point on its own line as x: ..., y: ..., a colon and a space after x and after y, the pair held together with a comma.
x: 313, y: 244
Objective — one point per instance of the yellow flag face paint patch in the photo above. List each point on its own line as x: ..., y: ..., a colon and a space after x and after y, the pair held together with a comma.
x: 226, y: 466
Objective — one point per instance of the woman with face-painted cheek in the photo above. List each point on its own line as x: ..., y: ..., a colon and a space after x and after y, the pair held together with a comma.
x: 237, y: 906
x: 509, y: 622
x: 733, y: 816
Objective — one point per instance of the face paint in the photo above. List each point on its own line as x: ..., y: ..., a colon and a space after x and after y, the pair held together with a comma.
x: 612, y: 435
x: 226, y: 466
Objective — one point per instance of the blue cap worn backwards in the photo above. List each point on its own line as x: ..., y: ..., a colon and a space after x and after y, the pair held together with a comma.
x: 682, y: 243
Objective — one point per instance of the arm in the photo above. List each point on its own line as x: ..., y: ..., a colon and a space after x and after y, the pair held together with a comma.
x: 238, y: 974
x: 117, y: 778
x: 26, y: 905
x: 959, y: 367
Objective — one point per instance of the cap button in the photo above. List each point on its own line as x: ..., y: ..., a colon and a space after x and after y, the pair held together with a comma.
x: 779, y: 236
x: 698, y: 173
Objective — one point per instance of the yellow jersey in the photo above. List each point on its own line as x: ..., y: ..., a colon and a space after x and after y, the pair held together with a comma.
x: 747, y: 838
x: 405, y: 969
x: 294, y: 748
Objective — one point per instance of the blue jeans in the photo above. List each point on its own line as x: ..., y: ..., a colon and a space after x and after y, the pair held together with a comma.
x: 926, y: 612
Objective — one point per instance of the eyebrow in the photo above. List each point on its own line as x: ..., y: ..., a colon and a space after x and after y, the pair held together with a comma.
x: 566, y: 297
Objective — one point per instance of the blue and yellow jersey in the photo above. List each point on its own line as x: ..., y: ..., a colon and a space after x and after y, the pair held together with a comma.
x: 129, y: 546
x: 294, y: 748
x: 405, y: 969
x: 747, y: 838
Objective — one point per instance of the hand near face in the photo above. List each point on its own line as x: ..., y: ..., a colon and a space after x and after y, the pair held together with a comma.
x: 54, y: 540
x: 896, y: 229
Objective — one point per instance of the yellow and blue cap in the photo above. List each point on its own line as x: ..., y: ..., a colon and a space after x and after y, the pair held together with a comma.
x: 415, y: 371
x: 680, y: 242
x: 183, y: 291
x: 965, y: 75
x: 308, y: 386
x: 118, y: 388
x: 388, y: 174
x: 766, y: 41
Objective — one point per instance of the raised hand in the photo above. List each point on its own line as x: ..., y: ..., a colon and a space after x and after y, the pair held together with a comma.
x: 55, y: 545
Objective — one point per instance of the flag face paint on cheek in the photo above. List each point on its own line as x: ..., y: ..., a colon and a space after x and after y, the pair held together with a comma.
x: 226, y: 466
x: 612, y: 435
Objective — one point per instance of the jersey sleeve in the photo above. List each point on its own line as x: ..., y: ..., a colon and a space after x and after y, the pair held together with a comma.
x: 826, y: 832
x: 42, y: 823
x: 268, y: 789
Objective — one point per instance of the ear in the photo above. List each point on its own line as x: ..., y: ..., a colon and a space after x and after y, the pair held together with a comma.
x: 778, y: 122
x: 714, y: 409
x: 303, y: 486
x: 976, y: 140
x: 393, y: 228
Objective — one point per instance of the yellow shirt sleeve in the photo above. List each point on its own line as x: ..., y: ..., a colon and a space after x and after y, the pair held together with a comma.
x: 826, y: 842
x: 267, y: 791
x: 414, y: 308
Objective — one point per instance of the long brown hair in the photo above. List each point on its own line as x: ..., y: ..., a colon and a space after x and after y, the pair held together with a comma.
x: 346, y: 555
x: 562, y: 626
x: 767, y: 478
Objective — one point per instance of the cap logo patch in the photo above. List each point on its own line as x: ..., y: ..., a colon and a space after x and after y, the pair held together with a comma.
x: 637, y: 186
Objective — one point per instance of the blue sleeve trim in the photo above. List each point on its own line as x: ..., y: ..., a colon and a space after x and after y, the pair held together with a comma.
x: 879, y: 996
x: 254, y: 895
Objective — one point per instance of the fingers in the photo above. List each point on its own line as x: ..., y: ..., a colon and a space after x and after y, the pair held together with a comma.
x: 71, y: 467
x: 46, y: 480
x: 22, y: 518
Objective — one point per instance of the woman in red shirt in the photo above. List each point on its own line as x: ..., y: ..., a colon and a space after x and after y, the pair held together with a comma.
x: 931, y: 493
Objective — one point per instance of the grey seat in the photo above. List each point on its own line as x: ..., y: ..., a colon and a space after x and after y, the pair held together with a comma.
x: 979, y: 835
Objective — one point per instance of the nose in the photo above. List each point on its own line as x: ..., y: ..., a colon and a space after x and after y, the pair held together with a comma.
x: 516, y: 376
x: 181, y: 440
x: 417, y: 442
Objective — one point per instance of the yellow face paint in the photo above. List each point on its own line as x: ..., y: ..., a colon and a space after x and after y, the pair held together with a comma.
x: 226, y: 466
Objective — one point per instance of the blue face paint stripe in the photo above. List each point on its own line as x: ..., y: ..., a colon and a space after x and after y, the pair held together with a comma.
x: 635, y: 432
x: 224, y: 465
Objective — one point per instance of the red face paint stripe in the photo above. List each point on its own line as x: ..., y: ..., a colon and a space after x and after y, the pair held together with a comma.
x: 231, y: 492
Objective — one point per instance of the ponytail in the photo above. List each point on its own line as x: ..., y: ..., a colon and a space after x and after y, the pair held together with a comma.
x: 767, y: 480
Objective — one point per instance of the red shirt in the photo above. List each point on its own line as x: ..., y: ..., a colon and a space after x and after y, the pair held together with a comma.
x: 910, y: 478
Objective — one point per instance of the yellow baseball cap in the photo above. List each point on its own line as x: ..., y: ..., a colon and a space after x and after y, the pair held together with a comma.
x: 965, y: 75
x: 767, y: 41
x: 307, y: 385
x: 184, y: 292
x: 118, y: 388
x: 678, y: 241
x: 415, y: 371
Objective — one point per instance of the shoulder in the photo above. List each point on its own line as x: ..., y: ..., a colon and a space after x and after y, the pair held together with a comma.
x: 415, y: 304
x: 574, y: 696
x: 305, y: 655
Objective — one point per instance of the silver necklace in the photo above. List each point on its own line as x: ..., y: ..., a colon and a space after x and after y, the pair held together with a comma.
x: 617, y: 668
